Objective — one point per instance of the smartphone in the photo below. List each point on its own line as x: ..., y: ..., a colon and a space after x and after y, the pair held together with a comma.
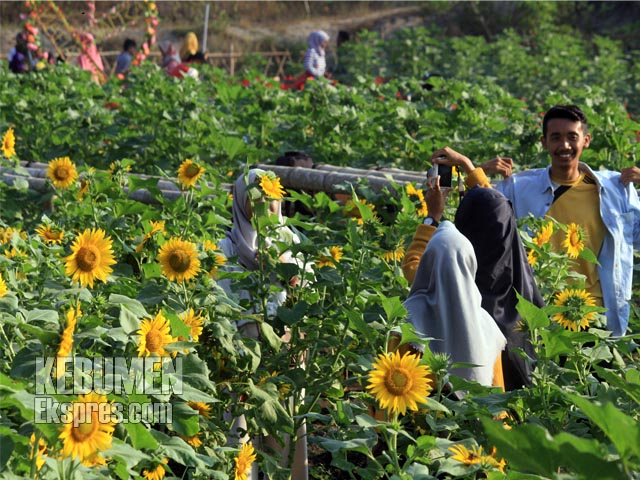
x: 446, y: 177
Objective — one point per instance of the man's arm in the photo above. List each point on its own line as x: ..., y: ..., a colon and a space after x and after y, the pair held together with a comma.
x: 474, y: 176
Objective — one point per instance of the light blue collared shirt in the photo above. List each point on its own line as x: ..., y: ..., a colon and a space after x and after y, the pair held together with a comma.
x: 531, y: 192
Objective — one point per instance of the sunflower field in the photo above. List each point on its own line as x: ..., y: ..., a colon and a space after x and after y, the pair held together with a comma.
x: 121, y: 355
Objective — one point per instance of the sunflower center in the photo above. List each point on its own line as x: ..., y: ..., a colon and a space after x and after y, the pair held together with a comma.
x: 84, y: 430
x: 398, y: 381
x: 154, y: 341
x: 574, y: 312
x: 191, y: 171
x: 62, y: 173
x: 87, y: 258
x: 180, y: 261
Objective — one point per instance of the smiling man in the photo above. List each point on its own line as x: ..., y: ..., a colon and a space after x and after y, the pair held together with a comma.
x: 600, y: 203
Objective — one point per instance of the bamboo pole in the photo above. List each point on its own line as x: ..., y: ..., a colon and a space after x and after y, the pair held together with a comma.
x: 314, y: 180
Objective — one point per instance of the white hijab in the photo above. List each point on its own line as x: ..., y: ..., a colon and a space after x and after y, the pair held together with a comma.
x: 445, y: 304
x: 243, y: 235
x: 316, y: 39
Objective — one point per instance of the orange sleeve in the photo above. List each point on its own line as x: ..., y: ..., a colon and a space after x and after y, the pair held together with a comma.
x: 498, y: 377
x: 477, y: 177
x: 416, y: 249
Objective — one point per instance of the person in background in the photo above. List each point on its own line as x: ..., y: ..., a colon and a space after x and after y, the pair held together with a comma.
x: 89, y: 58
x: 170, y: 57
x: 20, y: 58
x: 315, y: 60
x: 189, y: 52
x: 123, y: 62
x: 601, y: 202
x: 241, y: 245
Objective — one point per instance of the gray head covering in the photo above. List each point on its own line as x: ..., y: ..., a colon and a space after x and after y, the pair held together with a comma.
x: 445, y: 304
x: 316, y: 39
x: 243, y: 235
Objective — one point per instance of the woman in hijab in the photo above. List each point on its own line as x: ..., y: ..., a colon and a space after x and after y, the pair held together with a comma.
x: 486, y: 218
x: 170, y: 57
x: 315, y: 63
x: 445, y: 304
x: 89, y: 58
x: 241, y: 243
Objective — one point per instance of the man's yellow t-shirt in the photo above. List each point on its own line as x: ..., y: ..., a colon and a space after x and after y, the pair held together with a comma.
x: 580, y: 204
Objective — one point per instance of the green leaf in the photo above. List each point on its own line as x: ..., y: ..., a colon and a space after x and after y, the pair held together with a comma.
x: 532, y: 449
x: 533, y: 316
x: 45, y: 336
x: 622, y: 430
x: 6, y: 449
x: 133, y: 305
x: 232, y: 146
x: 129, y: 321
x: 185, y: 420
x: 140, y: 436
x: 393, y: 307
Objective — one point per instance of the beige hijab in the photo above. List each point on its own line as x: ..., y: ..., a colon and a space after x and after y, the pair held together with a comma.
x: 445, y: 304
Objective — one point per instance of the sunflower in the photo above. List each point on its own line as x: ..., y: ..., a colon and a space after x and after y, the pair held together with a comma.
x: 62, y: 172
x: 475, y: 457
x: 38, y: 452
x: 399, y: 382
x: 92, y: 257
x: 394, y: 255
x: 84, y: 188
x: 83, y: 435
x: 193, y: 440
x: 194, y: 322
x: 573, y: 241
x: 155, y: 334
x: 244, y: 460
x: 66, y: 341
x: 544, y: 235
x: 156, y: 227
x: 50, y: 235
x: 157, y: 473
x: 3, y: 287
x: 202, y: 408
x: 189, y: 173
x: 9, y: 144
x: 335, y: 255
x: 6, y: 234
x: 210, y: 246
x: 270, y: 185
x: 532, y: 257
x: 574, y: 318
x: 422, y: 210
x: 463, y: 455
x: 179, y: 260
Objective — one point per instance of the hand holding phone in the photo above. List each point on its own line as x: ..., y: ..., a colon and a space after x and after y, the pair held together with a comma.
x: 445, y: 172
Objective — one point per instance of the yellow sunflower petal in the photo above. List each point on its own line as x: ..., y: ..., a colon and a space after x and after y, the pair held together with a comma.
x: 62, y: 172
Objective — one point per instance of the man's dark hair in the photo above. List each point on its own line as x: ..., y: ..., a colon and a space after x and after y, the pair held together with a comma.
x: 128, y: 43
x: 569, y: 112
x: 295, y: 159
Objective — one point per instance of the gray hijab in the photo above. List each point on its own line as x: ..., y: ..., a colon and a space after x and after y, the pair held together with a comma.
x: 445, y: 304
x: 243, y: 235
